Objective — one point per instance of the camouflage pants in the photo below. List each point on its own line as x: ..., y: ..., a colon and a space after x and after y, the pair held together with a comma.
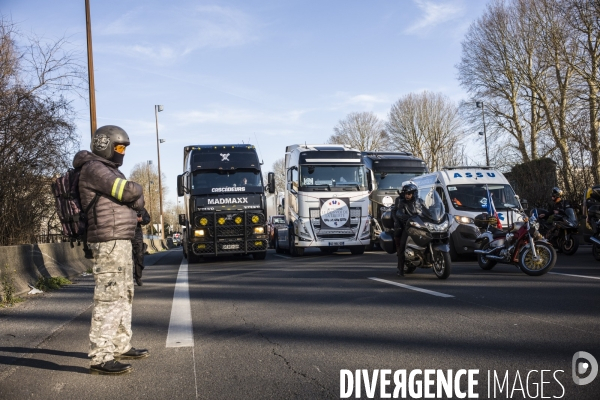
x: 110, y: 333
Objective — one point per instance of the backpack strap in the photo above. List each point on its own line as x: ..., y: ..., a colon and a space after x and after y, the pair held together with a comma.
x: 93, y: 204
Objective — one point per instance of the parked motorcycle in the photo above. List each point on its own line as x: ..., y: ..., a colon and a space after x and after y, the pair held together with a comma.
x: 523, y: 246
x: 594, y: 220
x: 427, y: 244
x: 561, y: 231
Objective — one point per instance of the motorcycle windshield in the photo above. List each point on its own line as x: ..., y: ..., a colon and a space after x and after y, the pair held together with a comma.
x: 433, y: 206
x: 571, y: 216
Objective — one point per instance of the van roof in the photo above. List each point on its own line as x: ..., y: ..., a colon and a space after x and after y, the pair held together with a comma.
x: 461, y: 176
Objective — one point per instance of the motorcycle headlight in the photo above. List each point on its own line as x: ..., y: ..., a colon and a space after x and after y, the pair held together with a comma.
x: 415, y: 224
x: 437, y: 227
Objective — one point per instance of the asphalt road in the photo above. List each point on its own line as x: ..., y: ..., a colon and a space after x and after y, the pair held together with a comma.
x: 285, y: 327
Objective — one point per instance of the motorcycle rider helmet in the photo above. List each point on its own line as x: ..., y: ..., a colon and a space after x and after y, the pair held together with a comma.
x: 595, y: 193
x: 410, y: 188
x: 556, y: 192
x: 106, y: 138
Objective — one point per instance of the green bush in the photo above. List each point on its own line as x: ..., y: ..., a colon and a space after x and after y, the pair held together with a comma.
x: 51, y: 283
x: 7, y: 296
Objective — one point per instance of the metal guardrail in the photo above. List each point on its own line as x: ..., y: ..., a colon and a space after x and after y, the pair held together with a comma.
x: 52, y: 238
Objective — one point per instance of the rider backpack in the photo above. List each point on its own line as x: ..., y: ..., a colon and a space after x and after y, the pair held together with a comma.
x: 68, y: 204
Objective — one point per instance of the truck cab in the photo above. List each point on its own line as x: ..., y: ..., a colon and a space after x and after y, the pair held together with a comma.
x: 326, y: 200
x: 224, y: 200
x: 388, y: 171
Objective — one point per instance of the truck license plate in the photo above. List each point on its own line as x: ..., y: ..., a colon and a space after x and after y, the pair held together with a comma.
x: 231, y: 246
x: 336, y: 243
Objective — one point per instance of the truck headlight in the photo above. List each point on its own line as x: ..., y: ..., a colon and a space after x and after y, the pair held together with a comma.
x: 199, y: 232
x: 259, y: 229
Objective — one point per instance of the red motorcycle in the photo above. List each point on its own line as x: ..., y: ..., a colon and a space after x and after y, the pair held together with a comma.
x: 522, y: 246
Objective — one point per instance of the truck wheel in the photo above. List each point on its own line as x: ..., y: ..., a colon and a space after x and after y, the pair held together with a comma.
x: 295, y: 251
x: 259, y: 256
x: 192, y: 258
x: 357, y: 250
x: 278, y: 249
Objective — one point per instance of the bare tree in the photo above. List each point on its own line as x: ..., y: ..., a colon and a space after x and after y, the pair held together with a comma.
x: 363, y: 131
x: 583, y: 19
x: 147, y: 176
x: 429, y: 126
x: 37, y: 133
x: 280, y: 178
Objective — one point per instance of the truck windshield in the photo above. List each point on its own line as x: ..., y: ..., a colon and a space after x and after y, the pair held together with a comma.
x: 474, y: 197
x: 392, y: 180
x: 327, y: 177
x: 212, y: 181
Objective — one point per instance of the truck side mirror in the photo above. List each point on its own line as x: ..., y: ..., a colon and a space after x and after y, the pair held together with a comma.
x: 182, y: 220
x: 180, y: 185
x: 271, y: 182
x: 369, y: 182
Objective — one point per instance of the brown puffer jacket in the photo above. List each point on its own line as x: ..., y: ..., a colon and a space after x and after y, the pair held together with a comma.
x: 114, y: 215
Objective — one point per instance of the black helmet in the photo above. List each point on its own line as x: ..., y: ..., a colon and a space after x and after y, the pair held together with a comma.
x: 556, y: 192
x: 105, y: 138
x: 595, y: 192
x: 410, y: 188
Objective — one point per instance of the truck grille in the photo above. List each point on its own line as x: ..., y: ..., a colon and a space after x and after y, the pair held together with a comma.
x: 229, y: 232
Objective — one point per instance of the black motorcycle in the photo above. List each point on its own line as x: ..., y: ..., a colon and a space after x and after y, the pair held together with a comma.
x: 594, y: 220
x: 427, y: 244
x: 561, y: 231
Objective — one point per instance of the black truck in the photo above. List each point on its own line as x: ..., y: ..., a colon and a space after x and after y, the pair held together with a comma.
x: 224, y: 200
x: 389, y: 170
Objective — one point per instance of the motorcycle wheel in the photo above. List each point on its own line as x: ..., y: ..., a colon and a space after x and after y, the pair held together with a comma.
x: 546, y: 261
x: 596, y: 251
x: 483, y: 262
x: 442, y: 265
x: 569, y: 246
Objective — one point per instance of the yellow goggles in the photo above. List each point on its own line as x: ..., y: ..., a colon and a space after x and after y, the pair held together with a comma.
x: 120, y: 148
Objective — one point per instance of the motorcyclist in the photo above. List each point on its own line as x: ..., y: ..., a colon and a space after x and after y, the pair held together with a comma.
x: 405, y: 206
x: 558, y: 204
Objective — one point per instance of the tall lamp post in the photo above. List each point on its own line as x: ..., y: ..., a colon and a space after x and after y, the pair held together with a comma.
x: 149, y: 196
x: 479, y: 104
x: 157, y: 109
x: 90, y: 57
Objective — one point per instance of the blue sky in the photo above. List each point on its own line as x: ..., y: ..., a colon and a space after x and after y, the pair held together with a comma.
x: 271, y: 73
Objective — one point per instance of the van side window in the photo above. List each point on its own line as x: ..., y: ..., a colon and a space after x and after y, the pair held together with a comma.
x: 440, y: 192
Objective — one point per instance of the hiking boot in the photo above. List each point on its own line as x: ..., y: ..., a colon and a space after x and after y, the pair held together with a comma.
x: 138, y: 281
x: 111, y: 367
x: 134, y: 354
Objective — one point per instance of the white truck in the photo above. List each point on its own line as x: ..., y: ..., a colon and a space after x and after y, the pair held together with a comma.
x: 326, y: 201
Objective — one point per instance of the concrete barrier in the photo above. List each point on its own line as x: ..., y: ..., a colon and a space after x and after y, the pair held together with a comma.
x: 27, y: 262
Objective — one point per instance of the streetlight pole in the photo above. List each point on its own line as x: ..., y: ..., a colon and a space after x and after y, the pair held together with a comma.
x: 149, y: 195
x: 479, y: 104
x: 157, y: 109
x: 92, y: 89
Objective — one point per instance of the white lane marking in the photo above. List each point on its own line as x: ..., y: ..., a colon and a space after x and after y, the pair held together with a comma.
x: 180, y: 326
x: 413, y: 288
x: 578, y: 276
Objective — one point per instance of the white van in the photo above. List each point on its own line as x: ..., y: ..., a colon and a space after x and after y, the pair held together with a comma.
x: 463, y: 190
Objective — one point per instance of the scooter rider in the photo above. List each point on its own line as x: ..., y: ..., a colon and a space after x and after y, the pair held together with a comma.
x: 406, y: 205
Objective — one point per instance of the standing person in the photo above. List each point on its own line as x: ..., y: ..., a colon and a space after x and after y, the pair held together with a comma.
x: 111, y: 226
x: 406, y: 205
x: 143, y: 218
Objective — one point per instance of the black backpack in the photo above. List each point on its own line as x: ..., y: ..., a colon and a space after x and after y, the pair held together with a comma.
x: 68, y: 205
